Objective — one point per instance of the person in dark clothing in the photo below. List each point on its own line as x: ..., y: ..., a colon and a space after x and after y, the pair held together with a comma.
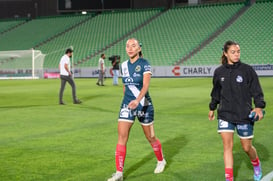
x: 66, y: 76
x: 115, y: 69
x: 235, y: 85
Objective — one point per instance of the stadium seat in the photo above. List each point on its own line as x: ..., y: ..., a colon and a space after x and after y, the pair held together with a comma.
x: 252, y: 31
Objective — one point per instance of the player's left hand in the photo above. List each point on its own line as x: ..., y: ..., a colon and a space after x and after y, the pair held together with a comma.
x: 259, y: 112
x: 211, y: 115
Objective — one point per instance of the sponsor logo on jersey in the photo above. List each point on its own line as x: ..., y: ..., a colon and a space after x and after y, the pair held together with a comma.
x: 245, y: 133
x: 129, y: 80
x: 147, y: 68
x: 136, y: 75
x: 138, y: 113
x: 222, y: 79
x: 242, y: 127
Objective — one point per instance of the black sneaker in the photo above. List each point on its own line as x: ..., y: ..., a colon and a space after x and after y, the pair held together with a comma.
x: 98, y: 84
x: 77, y: 102
x: 62, y: 103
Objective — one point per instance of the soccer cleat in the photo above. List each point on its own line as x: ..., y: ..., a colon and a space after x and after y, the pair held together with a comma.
x: 229, y: 179
x: 118, y: 176
x: 160, y: 166
x: 98, y: 84
x: 257, y: 172
x: 62, y: 103
x: 77, y: 101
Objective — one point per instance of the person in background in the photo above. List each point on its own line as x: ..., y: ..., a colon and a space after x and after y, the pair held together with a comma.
x: 115, y: 64
x: 66, y: 76
x: 101, y: 68
x: 235, y: 84
x: 136, y: 74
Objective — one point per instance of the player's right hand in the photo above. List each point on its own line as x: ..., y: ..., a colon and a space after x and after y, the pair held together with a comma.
x: 133, y: 104
x: 211, y: 115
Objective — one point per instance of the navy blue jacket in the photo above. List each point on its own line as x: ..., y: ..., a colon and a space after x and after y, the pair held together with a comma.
x: 234, y: 88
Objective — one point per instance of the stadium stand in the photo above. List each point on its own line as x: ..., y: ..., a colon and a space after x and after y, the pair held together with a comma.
x: 253, y: 31
x: 177, y: 31
x: 95, y: 35
x: 36, y: 31
x: 167, y: 36
x: 8, y: 25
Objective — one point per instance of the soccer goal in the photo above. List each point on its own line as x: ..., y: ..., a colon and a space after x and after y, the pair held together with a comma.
x: 21, y: 64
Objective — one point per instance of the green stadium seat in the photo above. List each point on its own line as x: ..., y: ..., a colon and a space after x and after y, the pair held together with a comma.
x: 253, y: 31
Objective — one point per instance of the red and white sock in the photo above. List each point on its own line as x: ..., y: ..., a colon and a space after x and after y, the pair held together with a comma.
x: 120, y: 157
x: 255, y: 162
x: 229, y: 174
x: 158, y: 150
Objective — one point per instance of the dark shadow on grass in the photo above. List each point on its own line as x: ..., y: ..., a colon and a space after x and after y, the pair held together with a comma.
x: 262, y: 151
x: 170, y: 148
x: 83, y: 106
x: 20, y: 106
x: 240, y: 156
x: 90, y: 97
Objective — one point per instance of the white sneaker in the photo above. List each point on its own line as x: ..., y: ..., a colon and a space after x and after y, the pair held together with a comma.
x: 118, y: 176
x: 160, y: 166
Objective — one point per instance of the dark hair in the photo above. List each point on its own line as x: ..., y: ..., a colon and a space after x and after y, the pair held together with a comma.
x: 69, y: 50
x: 140, y: 53
x: 225, y: 49
x: 102, y: 55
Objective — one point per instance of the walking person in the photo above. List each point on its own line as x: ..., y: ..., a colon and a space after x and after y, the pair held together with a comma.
x: 115, y: 69
x: 136, y: 75
x: 235, y: 85
x: 66, y: 76
x: 101, y: 68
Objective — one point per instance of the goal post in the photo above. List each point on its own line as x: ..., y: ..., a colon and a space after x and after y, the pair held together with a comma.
x: 21, y: 64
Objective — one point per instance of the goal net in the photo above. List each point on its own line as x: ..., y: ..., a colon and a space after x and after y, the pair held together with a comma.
x: 21, y: 64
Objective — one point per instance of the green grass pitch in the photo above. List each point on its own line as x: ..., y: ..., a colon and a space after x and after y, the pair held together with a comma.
x: 41, y: 140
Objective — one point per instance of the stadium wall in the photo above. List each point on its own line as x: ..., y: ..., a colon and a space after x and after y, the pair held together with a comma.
x: 161, y: 71
x: 27, y: 8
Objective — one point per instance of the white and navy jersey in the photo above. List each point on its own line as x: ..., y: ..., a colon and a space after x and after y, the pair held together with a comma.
x: 132, y: 78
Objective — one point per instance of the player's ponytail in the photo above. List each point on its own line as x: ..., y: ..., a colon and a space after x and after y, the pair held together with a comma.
x: 224, y: 59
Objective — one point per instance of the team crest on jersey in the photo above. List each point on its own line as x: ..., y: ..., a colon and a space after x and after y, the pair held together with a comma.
x: 124, y: 113
x: 223, y: 124
x: 138, y: 68
x: 239, y: 79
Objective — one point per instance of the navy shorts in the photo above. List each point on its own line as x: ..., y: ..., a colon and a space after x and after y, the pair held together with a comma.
x: 144, y: 114
x: 244, y: 131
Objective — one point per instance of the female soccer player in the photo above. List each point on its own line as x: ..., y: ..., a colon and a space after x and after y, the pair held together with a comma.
x: 136, y: 75
x: 235, y: 84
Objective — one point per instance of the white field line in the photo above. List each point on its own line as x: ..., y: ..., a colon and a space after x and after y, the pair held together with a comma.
x: 268, y: 177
